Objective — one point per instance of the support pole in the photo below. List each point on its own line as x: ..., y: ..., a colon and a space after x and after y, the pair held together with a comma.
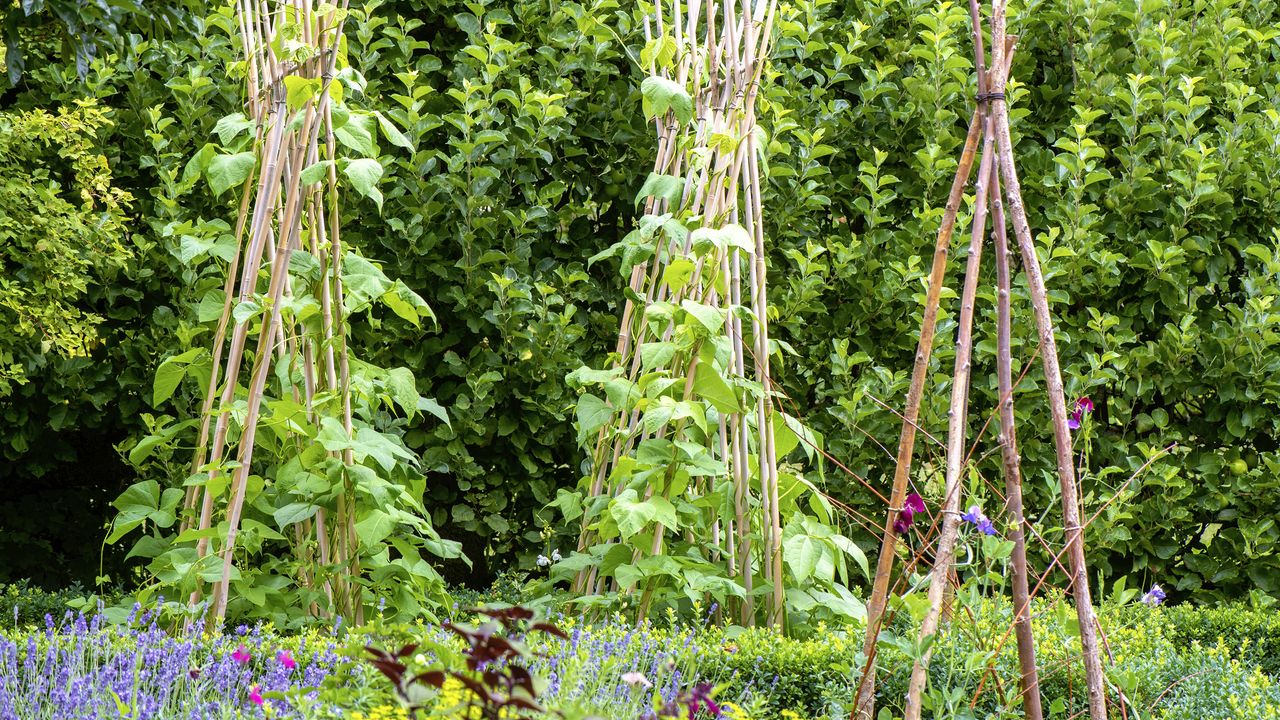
x: 1094, y: 678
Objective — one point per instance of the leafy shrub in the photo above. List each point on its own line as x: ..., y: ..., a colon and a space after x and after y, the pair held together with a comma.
x: 1147, y: 153
x: 1254, y: 632
x: 1147, y: 144
x: 24, y: 604
x: 64, y: 228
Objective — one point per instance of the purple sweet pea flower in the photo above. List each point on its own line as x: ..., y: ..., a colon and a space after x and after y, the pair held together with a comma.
x: 977, y: 518
x: 1155, y: 596
x: 1084, y: 406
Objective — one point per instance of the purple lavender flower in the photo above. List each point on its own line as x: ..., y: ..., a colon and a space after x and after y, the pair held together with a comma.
x: 77, y: 670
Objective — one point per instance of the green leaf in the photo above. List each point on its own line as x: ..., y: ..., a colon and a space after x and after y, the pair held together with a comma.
x: 316, y: 172
x: 656, y: 355
x: 593, y: 413
x: 228, y: 171
x: 663, y: 511
x: 667, y: 187
x: 392, y: 133
x: 381, y: 447
x: 293, y: 513
x: 300, y: 90
x: 198, y: 164
x: 211, y: 304
x: 851, y: 549
x: 710, y: 386
x: 661, y: 94
x: 364, y: 174
x: 404, y: 391
x: 707, y: 316
x: 429, y: 405
x: 630, y: 514
x: 678, y: 273
x: 169, y: 375
x: 357, y: 134
x: 374, y: 528
x: 407, y: 304
x: 569, y: 503
x: 802, y: 554
x: 231, y: 126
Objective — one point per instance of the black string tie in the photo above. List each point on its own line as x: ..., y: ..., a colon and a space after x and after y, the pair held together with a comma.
x: 985, y: 97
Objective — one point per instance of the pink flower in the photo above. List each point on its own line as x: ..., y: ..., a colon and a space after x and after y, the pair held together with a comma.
x: 1084, y: 406
x: 255, y: 696
x: 241, y: 655
x: 636, y: 678
x: 913, y: 504
x: 287, y: 660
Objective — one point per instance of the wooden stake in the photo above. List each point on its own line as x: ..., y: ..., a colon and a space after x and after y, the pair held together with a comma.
x: 1094, y: 676
x: 866, y: 696
x: 958, y: 417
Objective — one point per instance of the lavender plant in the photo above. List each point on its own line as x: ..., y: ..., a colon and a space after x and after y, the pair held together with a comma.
x: 85, y: 667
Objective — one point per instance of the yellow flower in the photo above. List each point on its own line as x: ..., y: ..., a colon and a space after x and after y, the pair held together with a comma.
x: 383, y: 712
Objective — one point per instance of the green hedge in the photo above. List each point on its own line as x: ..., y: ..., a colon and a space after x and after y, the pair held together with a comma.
x: 1153, y: 650
x: 1147, y: 146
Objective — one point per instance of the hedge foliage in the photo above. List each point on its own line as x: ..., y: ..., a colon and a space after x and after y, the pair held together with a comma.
x: 1147, y: 136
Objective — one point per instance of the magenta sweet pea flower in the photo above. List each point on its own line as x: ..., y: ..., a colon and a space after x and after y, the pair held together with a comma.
x: 241, y: 655
x: 700, y: 700
x: 287, y: 660
x: 912, y: 505
x: 1084, y: 406
x: 255, y: 696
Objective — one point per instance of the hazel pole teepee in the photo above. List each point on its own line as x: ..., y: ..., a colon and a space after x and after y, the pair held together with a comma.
x: 991, y: 121
x: 721, y: 47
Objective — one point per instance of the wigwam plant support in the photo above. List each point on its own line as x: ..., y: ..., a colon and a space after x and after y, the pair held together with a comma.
x: 284, y: 432
x: 685, y: 500
x: 996, y: 172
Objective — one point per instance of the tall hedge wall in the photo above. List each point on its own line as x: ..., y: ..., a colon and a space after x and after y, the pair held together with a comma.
x: 1147, y: 135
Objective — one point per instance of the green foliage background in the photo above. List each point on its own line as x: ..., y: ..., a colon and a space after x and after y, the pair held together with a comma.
x: 1147, y: 136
